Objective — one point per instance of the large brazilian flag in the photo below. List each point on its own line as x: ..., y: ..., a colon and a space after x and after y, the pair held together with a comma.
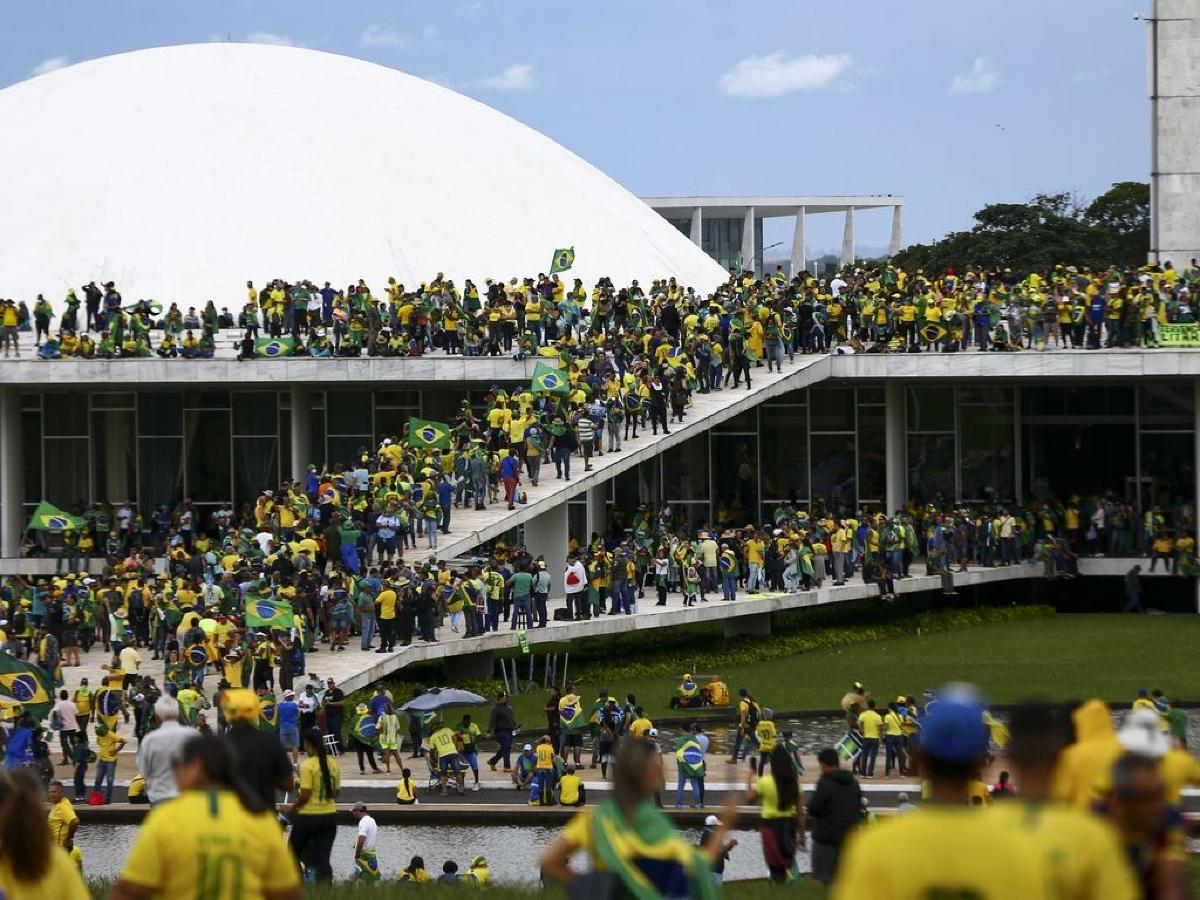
x: 549, y: 380
x: 562, y: 260
x: 268, y: 613
x: 26, y: 684
x: 48, y: 517
x: 272, y: 348
x: 424, y: 433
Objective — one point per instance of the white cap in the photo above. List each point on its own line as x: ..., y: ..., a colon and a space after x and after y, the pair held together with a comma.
x: 712, y: 821
x: 653, y: 732
x: 528, y: 747
x: 1142, y: 734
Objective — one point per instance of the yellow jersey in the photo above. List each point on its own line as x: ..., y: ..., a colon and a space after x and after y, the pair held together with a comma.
x: 60, y: 817
x: 764, y: 732
x: 205, y: 844
x: 946, y: 851
x: 442, y: 742
x: 870, y: 723
x: 1083, y: 853
x: 61, y: 881
x: 321, y: 802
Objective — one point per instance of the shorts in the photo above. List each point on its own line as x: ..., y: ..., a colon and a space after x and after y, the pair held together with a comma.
x: 290, y: 738
x: 385, y: 744
x: 448, y: 762
x: 824, y: 861
x: 573, y: 739
x: 387, y: 544
x: 341, y: 623
x: 471, y: 757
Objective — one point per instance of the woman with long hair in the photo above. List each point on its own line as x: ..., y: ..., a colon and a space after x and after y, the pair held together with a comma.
x: 185, y: 847
x: 414, y: 872
x: 782, y: 829
x: 314, y: 814
x: 31, y: 866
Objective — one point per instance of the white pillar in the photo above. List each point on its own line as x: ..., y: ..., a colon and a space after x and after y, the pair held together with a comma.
x: 301, y: 434
x: 597, y: 511
x: 848, y: 238
x: 698, y: 227
x: 897, y: 239
x: 546, y: 536
x: 798, y: 243
x: 11, y: 472
x: 748, y: 240
x: 895, y: 471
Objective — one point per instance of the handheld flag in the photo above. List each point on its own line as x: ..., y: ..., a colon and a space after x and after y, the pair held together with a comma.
x: 549, y: 380
x: 265, y: 613
x: 424, y: 433
x: 26, y: 684
x: 570, y: 713
x: 48, y: 517
x: 365, y: 729
x: 268, y: 713
x: 272, y: 348
x: 933, y: 333
x: 690, y: 757
x: 108, y: 705
x: 563, y: 259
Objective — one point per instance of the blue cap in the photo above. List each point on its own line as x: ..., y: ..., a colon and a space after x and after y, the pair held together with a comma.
x: 953, y: 729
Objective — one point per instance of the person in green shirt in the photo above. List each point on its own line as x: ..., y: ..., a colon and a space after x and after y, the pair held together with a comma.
x: 521, y: 584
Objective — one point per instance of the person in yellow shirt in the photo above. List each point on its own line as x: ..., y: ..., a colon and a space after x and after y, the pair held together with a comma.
x: 640, y: 727
x: 870, y: 726
x: 214, y: 840
x: 948, y: 848
x: 765, y: 734
x: 571, y: 791
x: 62, y: 818
x: 755, y: 547
x: 314, y: 814
x: 893, y: 741
x: 445, y: 750
x: 32, y: 865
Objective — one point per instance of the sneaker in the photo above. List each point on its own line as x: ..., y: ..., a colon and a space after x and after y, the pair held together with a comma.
x: 476, y: 788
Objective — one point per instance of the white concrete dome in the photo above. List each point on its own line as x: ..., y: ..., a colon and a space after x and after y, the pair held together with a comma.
x: 181, y: 172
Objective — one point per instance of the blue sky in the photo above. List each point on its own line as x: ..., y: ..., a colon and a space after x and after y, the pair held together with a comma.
x: 951, y: 104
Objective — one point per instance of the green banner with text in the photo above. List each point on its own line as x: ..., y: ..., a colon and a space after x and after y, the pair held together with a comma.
x: 1179, y: 335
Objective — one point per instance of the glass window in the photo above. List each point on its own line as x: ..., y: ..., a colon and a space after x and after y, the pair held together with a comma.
x: 160, y: 473
x: 871, y: 394
x: 67, y: 468
x: 1167, y: 405
x: 255, y: 466
x: 743, y: 421
x: 66, y: 415
x: 255, y: 413
x: 691, y: 515
x: 114, y: 455
x: 992, y: 396
x: 31, y: 454
x: 930, y: 409
x: 31, y: 401
x: 1167, y: 467
x: 285, y: 443
x: 160, y: 413
x: 785, y: 454
x: 931, y: 467
x: 406, y: 399
x: 344, y: 449
x: 206, y: 436
x: 1078, y: 458
x: 988, y: 466
x: 872, y: 457
x: 791, y: 398
x: 1077, y: 402
x: 206, y: 399
x: 389, y: 423
x: 832, y: 409
x: 349, y: 412
x: 735, y: 478
x: 577, y: 522
x: 316, y: 425
x: 685, y: 470
x: 833, y: 470
x: 121, y: 400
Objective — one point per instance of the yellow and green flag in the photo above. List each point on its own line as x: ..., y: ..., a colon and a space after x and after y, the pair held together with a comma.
x: 109, y: 702
x: 424, y: 433
x: 48, y: 517
x: 563, y: 259
x: 273, y: 348
x: 26, y: 684
x: 268, y: 613
x: 933, y: 333
x: 549, y: 380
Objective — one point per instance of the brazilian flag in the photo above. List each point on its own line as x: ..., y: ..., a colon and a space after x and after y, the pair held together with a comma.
x: 690, y: 757
x: 549, y: 380
x: 563, y: 259
x: 570, y: 713
x: 273, y: 348
x: 48, y: 517
x: 365, y: 729
x: 424, y: 433
x: 268, y: 713
x: 267, y: 613
x: 26, y: 684
x: 933, y: 333
x: 108, y: 706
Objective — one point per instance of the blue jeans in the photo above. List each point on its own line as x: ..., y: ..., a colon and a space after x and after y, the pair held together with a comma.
x: 562, y: 462
x: 368, y: 629
x: 105, y: 771
x: 696, y: 801
x: 522, y: 612
x: 446, y: 507
x: 870, y: 751
x: 493, y: 614
x: 729, y: 587
x: 431, y: 529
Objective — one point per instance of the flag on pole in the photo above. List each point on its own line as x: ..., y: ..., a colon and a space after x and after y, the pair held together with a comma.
x: 563, y: 259
x: 48, y: 517
x: 273, y: 348
x: 549, y: 380
x: 424, y: 433
x: 267, y: 613
x: 26, y: 684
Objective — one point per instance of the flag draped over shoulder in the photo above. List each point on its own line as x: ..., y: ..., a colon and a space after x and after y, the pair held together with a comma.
x: 547, y: 379
x: 570, y: 713
x: 365, y: 728
x: 690, y: 756
x: 425, y: 433
x: 268, y: 713
x: 48, y: 517
x: 26, y: 684
x: 563, y: 259
x: 271, y: 348
x: 267, y: 613
x: 647, y: 854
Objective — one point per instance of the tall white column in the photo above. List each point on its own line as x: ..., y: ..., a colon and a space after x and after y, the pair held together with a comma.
x: 698, y: 227
x: 11, y: 474
x: 895, y: 480
x: 748, y: 261
x: 301, y: 433
x: 848, y: 238
x: 546, y: 536
x: 798, y: 243
x: 597, y: 511
x: 897, y: 230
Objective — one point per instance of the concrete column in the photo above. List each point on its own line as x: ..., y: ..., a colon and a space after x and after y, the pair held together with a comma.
x: 748, y: 261
x: 896, y: 242
x: 12, y: 476
x: 798, y: 242
x: 301, y: 433
x: 546, y: 536
x: 895, y: 473
x: 597, y: 511
x: 848, y: 238
x: 698, y: 227
x: 758, y: 625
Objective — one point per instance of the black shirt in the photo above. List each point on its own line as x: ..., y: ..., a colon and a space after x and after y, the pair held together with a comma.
x: 261, y: 760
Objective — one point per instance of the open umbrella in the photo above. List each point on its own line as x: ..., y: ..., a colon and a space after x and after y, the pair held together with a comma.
x: 442, y: 698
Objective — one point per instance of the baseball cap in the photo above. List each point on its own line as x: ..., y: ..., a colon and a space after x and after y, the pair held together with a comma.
x: 953, y: 730
x: 712, y: 821
x: 527, y: 747
x: 1142, y: 734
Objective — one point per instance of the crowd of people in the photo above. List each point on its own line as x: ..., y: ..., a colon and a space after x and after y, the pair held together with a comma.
x: 881, y: 308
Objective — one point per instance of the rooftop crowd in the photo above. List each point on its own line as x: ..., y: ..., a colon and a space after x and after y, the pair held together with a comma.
x: 872, y: 309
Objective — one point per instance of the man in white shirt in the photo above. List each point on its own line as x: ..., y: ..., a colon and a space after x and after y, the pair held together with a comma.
x: 366, y: 863
x: 160, y: 748
x: 67, y: 724
x: 575, y: 582
x: 837, y: 285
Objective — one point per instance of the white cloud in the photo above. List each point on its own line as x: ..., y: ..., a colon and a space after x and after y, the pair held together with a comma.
x: 517, y: 77
x: 382, y: 36
x: 469, y: 9
x: 270, y: 37
x: 49, y: 65
x: 980, y: 78
x: 775, y: 74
